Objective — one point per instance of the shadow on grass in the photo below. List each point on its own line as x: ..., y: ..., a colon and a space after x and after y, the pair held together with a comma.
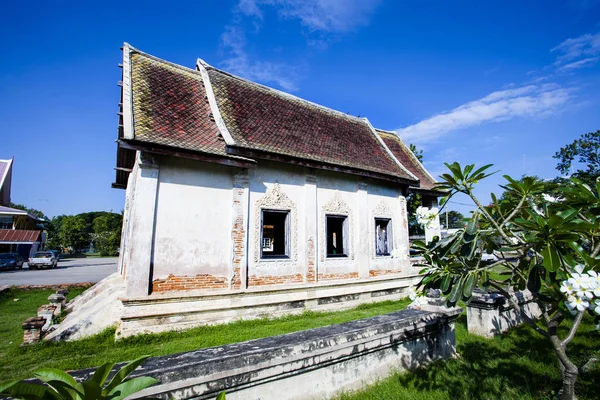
x: 518, y: 365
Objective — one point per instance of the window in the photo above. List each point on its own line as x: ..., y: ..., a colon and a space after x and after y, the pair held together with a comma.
x: 6, y: 222
x: 383, y: 237
x: 275, y: 234
x: 337, y: 236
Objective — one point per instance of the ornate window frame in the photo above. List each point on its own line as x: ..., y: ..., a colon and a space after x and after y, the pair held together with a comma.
x: 335, y: 206
x: 275, y: 200
x: 381, y: 211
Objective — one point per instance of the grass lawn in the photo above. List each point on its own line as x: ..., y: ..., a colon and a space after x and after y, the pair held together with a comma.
x: 518, y: 365
x: 17, y: 362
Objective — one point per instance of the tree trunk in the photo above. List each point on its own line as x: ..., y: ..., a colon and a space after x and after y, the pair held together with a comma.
x: 567, y: 392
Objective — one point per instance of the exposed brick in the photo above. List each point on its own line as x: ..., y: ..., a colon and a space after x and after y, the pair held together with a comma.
x: 349, y: 275
x: 202, y: 281
x: 274, y: 280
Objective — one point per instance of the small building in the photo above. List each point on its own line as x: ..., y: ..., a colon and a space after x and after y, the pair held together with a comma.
x: 244, y: 201
x: 20, y: 232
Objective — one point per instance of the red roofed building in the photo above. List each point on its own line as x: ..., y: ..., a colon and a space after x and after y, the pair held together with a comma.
x: 19, y: 231
x: 244, y: 200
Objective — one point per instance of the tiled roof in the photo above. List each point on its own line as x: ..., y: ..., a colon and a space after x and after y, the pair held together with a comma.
x: 170, y: 106
x: 19, y: 236
x: 407, y: 158
x: 264, y: 119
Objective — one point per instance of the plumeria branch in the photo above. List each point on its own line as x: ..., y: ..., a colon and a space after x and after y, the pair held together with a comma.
x: 573, y: 330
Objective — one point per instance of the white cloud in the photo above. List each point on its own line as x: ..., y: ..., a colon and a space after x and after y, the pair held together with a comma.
x: 526, y: 101
x: 237, y: 62
x: 586, y: 62
x: 587, y: 45
x: 326, y: 16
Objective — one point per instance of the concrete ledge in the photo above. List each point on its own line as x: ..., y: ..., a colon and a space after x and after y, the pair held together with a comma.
x: 490, y: 314
x: 184, y: 310
x: 309, y: 364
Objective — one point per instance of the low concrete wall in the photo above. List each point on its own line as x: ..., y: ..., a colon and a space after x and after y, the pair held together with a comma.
x: 310, y: 364
x: 490, y: 314
x: 168, y: 311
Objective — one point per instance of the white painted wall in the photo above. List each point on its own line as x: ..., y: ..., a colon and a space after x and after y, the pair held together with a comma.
x: 193, y: 219
x: 191, y: 222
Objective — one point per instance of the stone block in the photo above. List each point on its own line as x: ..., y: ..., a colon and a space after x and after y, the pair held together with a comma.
x: 47, y: 311
x: 32, y: 330
x: 59, y: 301
x: 490, y: 314
x: 311, y: 364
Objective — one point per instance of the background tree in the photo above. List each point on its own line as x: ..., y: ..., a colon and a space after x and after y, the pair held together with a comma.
x: 452, y: 219
x: 556, y: 251
x: 31, y: 211
x: 74, y: 233
x: 586, y: 150
x: 107, y: 233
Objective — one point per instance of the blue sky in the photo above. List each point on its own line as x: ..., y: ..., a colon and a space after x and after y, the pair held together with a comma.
x: 503, y: 82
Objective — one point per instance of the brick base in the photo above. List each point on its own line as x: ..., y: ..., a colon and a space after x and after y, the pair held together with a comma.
x: 202, y: 281
x: 327, y: 277
x: 379, y: 272
x: 274, y: 280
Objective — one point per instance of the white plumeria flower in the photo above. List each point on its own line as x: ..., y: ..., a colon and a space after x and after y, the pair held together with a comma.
x: 578, y: 281
x: 579, y: 268
x: 584, y: 293
x: 578, y: 303
x: 420, y: 301
x: 597, y: 307
x: 567, y: 288
x: 412, y: 293
x: 594, y: 279
x: 549, y: 198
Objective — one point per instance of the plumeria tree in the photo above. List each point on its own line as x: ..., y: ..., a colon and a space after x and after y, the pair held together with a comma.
x: 548, y: 245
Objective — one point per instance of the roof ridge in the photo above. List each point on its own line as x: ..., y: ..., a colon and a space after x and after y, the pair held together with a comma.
x: 410, y: 153
x: 281, y: 92
x: 387, y: 149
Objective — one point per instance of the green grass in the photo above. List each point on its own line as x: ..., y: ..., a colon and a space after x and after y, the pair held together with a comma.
x: 518, y: 365
x: 18, y: 362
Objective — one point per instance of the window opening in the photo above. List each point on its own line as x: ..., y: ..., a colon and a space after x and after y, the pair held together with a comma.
x: 275, y: 234
x: 337, y: 236
x: 383, y: 237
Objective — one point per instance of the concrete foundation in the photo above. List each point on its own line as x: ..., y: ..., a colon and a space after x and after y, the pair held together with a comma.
x: 311, y: 364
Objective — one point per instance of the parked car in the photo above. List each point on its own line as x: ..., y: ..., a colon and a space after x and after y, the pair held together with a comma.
x: 42, y: 259
x: 11, y: 261
x: 56, y: 254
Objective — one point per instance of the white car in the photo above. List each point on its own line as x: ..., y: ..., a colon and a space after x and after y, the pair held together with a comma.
x: 42, y: 259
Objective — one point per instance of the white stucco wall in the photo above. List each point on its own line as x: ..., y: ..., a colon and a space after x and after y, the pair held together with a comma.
x: 193, y: 219
x: 196, y: 208
x: 291, y: 180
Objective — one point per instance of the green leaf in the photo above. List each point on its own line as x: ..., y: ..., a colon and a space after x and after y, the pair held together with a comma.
x: 101, y: 373
x: 551, y: 258
x: 455, y: 292
x: 30, y: 391
x: 468, y: 286
x: 53, y: 374
x: 446, y: 283
x: 131, y: 386
x: 534, y: 282
x: 473, y: 224
x: 221, y: 396
x: 124, y: 373
x: 67, y: 391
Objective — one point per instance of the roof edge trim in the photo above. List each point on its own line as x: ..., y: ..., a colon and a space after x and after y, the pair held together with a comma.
x: 212, y: 101
x: 411, y: 154
x: 127, y: 93
x: 389, y: 152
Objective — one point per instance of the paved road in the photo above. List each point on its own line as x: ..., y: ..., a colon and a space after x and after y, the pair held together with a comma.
x: 74, y: 270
